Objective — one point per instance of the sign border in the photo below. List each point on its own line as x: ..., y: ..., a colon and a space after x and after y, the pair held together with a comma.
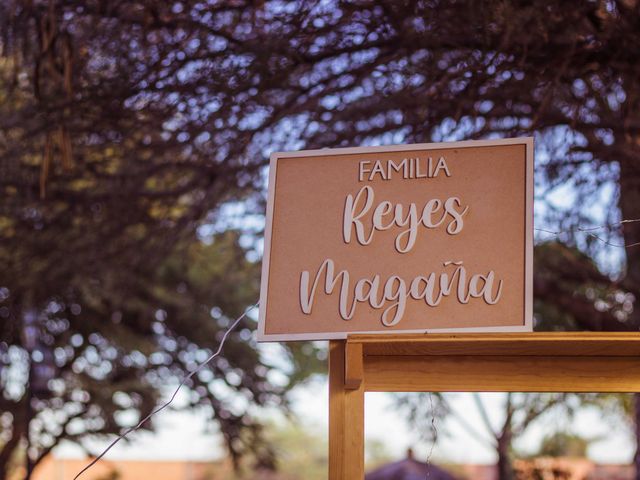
x: 528, y: 270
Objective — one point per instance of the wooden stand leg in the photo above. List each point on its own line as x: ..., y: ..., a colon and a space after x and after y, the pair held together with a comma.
x: 346, y: 420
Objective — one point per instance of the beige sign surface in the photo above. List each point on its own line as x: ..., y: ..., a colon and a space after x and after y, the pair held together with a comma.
x: 411, y: 238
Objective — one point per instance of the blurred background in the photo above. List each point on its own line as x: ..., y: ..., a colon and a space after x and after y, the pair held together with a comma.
x: 134, y: 146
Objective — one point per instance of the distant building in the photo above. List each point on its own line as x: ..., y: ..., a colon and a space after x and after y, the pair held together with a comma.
x: 409, y: 469
x: 543, y: 468
x: 472, y: 471
x: 612, y: 472
x: 564, y: 468
x: 54, y: 468
x: 546, y: 468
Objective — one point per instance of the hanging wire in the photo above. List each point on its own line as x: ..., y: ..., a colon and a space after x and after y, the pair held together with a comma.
x: 589, y: 231
x: 175, y: 393
x: 434, y: 429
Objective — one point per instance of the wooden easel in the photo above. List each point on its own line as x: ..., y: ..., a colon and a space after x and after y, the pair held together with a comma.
x: 530, y: 362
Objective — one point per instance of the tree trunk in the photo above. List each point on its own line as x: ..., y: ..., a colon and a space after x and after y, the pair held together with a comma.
x: 28, y: 416
x: 505, y: 470
x: 503, y: 440
x: 8, y: 449
x: 629, y: 203
x: 29, y: 343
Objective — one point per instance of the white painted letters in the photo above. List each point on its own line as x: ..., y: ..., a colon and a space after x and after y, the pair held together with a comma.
x: 407, y: 168
x: 408, y: 218
x: 393, y: 294
x: 364, y: 215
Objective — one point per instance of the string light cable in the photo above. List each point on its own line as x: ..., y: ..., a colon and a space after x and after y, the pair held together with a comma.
x: 175, y: 393
x: 434, y: 429
x: 589, y: 231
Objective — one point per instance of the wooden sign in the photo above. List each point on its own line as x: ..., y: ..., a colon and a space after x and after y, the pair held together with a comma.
x: 411, y: 238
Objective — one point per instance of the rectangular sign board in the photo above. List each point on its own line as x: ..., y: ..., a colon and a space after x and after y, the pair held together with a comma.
x: 399, y: 239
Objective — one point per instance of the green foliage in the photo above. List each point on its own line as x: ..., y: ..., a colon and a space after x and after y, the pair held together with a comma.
x: 563, y: 444
x: 301, y: 452
x: 571, y: 293
x: 102, y: 345
x: 377, y: 454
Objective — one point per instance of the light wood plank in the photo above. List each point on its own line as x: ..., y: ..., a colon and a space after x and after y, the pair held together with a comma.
x: 532, y: 362
x: 487, y: 373
x: 337, y: 417
x: 354, y: 366
x: 354, y: 434
x: 346, y: 420
x: 527, y: 344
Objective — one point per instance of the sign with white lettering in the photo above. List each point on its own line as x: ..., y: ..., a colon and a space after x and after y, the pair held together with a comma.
x: 401, y: 239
